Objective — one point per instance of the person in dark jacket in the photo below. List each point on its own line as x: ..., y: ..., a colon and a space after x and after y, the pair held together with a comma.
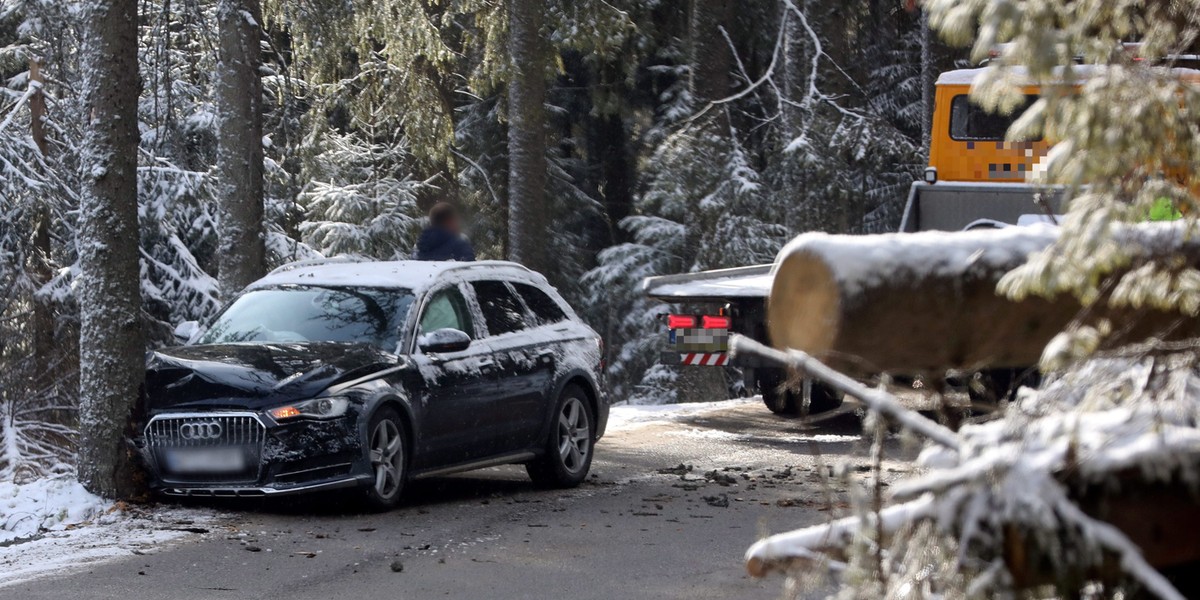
x: 443, y: 238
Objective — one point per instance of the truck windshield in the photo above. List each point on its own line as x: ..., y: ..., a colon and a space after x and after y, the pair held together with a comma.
x: 970, y: 122
x: 313, y: 314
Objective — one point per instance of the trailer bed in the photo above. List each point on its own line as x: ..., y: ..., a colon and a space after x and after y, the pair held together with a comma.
x: 722, y: 285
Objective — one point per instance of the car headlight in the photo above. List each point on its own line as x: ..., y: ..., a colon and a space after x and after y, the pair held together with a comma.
x: 317, y: 408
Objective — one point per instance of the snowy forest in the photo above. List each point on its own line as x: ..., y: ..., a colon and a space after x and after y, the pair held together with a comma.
x: 156, y: 157
x: 678, y: 137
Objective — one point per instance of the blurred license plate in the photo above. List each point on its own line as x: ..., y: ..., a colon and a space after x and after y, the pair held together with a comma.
x: 205, y: 460
x: 699, y: 340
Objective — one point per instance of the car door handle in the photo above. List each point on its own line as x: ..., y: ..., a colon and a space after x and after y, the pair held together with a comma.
x: 487, y: 365
x: 546, y: 356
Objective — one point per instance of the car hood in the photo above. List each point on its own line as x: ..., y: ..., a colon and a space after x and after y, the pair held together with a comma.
x: 254, y: 376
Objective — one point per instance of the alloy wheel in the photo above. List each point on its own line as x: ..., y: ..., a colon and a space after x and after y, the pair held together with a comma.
x: 574, y: 435
x: 387, y: 458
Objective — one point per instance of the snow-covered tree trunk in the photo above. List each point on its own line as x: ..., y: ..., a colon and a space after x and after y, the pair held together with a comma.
x: 528, y: 211
x: 111, y: 342
x: 238, y: 91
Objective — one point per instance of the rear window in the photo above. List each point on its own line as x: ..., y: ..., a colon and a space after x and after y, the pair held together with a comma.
x: 501, y: 310
x: 543, y: 306
x: 970, y: 122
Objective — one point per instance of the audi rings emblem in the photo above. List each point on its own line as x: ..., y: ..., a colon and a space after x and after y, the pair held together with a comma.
x: 209, y: 430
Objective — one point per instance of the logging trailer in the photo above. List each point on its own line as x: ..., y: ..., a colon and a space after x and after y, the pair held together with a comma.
x: 976, y: 180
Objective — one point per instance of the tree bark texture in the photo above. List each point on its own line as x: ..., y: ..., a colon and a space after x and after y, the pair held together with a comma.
x: 111, y: 340
x: 711, y: 60
x: 238, y: 89
x: 927, y: 303
x: 529, y: 218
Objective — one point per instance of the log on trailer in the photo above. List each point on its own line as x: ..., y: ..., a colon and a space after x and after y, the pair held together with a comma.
x: 927, y: 303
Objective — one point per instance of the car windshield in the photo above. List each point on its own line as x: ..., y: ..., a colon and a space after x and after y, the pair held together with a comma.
x: 314, y: 314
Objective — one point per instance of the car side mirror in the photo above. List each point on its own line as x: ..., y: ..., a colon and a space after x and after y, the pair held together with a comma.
x: 186, y: 330
x: 444, y: 340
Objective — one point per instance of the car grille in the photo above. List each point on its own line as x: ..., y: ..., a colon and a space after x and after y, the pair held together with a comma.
x: 200, y: 432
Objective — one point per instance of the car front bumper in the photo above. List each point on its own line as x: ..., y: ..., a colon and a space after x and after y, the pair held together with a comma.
x: 280, y: 458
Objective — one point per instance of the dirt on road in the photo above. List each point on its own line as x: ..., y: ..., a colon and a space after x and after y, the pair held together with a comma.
x: 672, y: 505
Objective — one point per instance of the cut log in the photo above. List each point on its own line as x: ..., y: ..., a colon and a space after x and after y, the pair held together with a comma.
x: 915, y: 303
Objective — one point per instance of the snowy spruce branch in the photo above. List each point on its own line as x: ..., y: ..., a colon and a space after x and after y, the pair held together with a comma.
x: 1011, y: 474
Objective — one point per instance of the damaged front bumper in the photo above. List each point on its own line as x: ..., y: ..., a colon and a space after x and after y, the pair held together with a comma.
x: 244, y: 453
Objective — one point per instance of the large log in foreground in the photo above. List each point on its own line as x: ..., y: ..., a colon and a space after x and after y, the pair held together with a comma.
x: 926, y: 302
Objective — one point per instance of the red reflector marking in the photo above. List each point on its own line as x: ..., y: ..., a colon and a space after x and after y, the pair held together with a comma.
x: 680, y: 321
x: 704, y: 359
x: 711, y: 322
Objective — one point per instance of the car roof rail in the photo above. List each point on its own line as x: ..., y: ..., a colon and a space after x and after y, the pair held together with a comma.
x: 316, y: 262
x: 479, y: 264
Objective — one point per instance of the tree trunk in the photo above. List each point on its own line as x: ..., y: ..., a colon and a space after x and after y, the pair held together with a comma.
x: 528, y: 210
x: 928, y: 79
x: 111, y: 342
x: 711, y: 60
x: 927, y: 303
x: 43, y: 319
x: 242, y: 248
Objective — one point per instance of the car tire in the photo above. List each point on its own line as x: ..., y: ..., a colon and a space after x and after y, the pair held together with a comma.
x: 387, y: 451
x: 569, y: 447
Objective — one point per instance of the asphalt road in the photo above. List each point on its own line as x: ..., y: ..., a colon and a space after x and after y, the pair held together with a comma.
x: 639, y: 528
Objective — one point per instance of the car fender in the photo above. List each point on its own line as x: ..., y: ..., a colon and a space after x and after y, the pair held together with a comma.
x: 560, y: 383
x: 377, y: 400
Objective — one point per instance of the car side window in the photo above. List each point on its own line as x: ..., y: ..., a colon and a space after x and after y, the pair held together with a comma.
x: 501, y: 310
x: 543, y: 306
x: 447, y: 309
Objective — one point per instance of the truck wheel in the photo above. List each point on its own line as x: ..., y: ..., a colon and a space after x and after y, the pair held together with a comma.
x: 993, y: 386
x: 779, y: 401
x: 783, y: 400
x: 821, y: 398
x: 775, y: 394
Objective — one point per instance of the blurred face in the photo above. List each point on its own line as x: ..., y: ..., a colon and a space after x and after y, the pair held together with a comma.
x: 453, y: 225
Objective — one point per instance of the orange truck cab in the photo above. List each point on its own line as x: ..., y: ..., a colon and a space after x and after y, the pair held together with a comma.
x: 968, y: 143
x: 976, y: 179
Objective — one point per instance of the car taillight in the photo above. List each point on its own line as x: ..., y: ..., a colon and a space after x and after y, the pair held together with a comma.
x: 681, y: 321
x: 714, y: 322
x: 600, y: 344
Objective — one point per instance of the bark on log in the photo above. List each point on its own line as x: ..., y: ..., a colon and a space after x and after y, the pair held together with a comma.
x: 926, y: 302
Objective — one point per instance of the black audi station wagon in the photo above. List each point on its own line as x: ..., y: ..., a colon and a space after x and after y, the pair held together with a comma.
x: 338, y: 374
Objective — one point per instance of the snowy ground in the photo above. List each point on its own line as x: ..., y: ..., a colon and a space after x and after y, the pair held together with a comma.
x: 627, y: 416
x: 54, y: 524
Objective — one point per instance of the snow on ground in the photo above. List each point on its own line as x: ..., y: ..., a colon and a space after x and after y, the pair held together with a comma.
x: 48, y: 504
x: 628, y: 416
x: 53, y: 523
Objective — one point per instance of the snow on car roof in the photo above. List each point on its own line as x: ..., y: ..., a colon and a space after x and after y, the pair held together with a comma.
x: 411, y: 274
